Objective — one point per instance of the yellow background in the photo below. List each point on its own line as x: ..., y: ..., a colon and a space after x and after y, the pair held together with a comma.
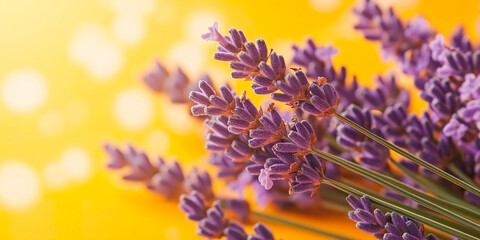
x: 86, y: 58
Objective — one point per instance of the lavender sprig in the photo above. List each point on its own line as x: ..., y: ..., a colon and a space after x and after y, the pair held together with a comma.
x: 389, y: 226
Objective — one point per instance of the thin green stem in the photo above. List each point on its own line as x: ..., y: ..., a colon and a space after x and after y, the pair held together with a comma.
x: 403, y: 211
x: 298, y: 225
x: 426, y: 184
x: 424, y: 212
x: 467, y: 186
x: 461, y: 174
x: 439, y: 205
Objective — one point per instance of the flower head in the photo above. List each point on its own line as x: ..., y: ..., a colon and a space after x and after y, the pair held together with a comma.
x: 264, y: 179
x: 303, y: 139
x: 273, y: 129
x: 324, y: 100
x: 214, y: 35
x: 384, y: 226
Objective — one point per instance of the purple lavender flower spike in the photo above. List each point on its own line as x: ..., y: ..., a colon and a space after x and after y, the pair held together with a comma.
x: 235, y: 231
x: 293, y: 89
x: 442, y: 99
x: 317, y: 62
x: 273, y: 129
x: 265, y: 80
x: 258, y: 160
x: 470, y: 88
x: 168, y: 181
x: 389, y: 226
x: 155, y: 78
x: 264, y: 179
x: 226, y: 168
x: 324, y: 100
x: 117, y: 158
x: 464, y: 127
x: 349, y: 137
x: 374, y: 156
x: 387, y: 93
x: 213, y: 224
x: 199, y: 181
x: 460, y: 40
x: 282, y: 166
x: 262, y: 232
x: 246, y: 116
x: 240, y: 207
x: 309, y: 177
x: 386, y: 27
x: 214, y: 35
x: 193, y: 204
x: 370, y: 154
x: 176, y: 85
x: 210, y: 104
x: 220, y: 139
x: 141, y: 168
x: 393, y: 123
x: 303, y: 139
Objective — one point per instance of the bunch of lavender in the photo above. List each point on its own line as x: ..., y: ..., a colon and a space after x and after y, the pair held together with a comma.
x: 336, y: 132
x: 449, y: 85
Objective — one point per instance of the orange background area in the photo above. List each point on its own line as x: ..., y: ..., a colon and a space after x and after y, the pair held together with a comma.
x: 69, y: 81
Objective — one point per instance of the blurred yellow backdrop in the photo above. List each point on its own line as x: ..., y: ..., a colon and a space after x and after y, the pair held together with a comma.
x: 69, y: 81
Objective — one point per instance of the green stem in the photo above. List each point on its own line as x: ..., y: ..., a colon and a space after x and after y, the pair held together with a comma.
x: 439, y: 205
x: 424, y: 212
x: 467, y: 186
x: 426, y: 184
x: 460, y: 174
x: 403, y: 211
x: 298, y: 225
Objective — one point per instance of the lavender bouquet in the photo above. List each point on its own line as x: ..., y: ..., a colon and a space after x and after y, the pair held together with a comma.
x: 322, y: 138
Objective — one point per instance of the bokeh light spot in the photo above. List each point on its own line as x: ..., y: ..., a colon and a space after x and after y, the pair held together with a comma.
x: 77, y: 164
x: 129, y: 29
x: 133, y: 109
x: 54, y: 176
x: 325, y: 6
x: 19, y: 186
x: 91, y: 48
x: 24, y: 90
x: 51, y: 123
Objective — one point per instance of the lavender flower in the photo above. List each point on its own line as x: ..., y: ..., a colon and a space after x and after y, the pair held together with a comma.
x: 168, y: 181
x: 261, y: 233
x: 208, y: 103
x: 396, y: 38
x: 371, y: 154
x: 324, y: 100
x: 155, y: 78
x: 317, y: 61
x: 390, y: 226
x: 220, y: 139
x: 141, y: 168
x: 199, y: 181
x: 293, y: 89
x: 303, y: 139
x: 387, y: 93
x: 246, y: 116
x: 213, y: 223
x: 470, y: 88
x: 176, y: 86
x: 273, y: 129
x: 393, y: 124
x: 193, y: 204
x: 309, y: 177
x: 235, y: 231
x: 226, y: 168
x: 460, y: 41
x: 244, y: 56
